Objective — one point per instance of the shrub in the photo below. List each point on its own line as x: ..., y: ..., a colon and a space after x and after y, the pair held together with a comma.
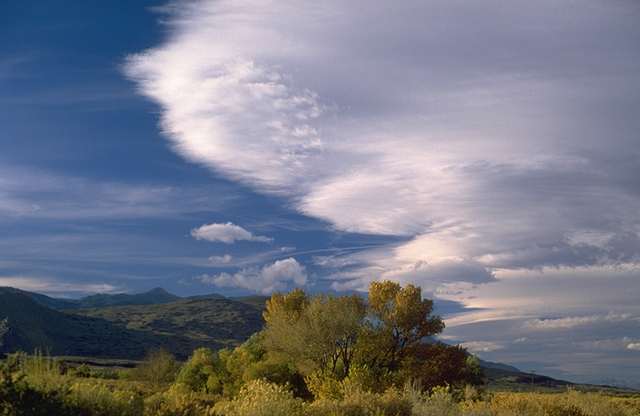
x: 440, y: 402
x: 98, y: 400
x: 260, y: 398
x: 203, y: 372
x: 17, y: 398
x: 178, y: 401
x: 159, y: 367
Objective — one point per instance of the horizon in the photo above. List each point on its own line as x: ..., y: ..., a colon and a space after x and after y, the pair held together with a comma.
x: 486, y: 153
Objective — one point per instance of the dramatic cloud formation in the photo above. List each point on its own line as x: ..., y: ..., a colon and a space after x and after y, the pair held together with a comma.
x: 274, y: 277
x: 226, y: 233
x: 410, y: 131
x: 497, y: 140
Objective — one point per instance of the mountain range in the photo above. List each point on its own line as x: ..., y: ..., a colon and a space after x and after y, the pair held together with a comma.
x: 123, y: 325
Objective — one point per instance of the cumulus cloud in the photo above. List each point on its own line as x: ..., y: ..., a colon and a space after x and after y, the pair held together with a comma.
x: 277, y: 276
x: 227, y: 233
x: 220, y: 260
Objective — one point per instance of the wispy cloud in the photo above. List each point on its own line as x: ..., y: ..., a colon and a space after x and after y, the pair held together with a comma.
x: 35, y: 194
x: 492, y: 164
x: 55, y: 286
x: 575, y: 321
x: 481, y: 346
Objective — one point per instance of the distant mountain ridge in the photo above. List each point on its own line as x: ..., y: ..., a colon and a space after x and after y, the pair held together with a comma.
x: 154, y: 296
x: 154, y: 319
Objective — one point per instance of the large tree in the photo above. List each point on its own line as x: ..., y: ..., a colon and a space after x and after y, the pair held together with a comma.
x: 318, y: 334
x: 398, y: 321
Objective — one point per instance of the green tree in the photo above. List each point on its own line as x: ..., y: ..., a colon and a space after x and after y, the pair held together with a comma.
x: 318, y: 334
x: 204, y: 372
x: 397, y: 323
x: 439, y: 364
x: 159, y: 367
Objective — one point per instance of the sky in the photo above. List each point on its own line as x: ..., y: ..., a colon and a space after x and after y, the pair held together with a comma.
x: 486, y: 151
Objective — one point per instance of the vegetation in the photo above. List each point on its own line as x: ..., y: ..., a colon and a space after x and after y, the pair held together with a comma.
x: 316, y: 356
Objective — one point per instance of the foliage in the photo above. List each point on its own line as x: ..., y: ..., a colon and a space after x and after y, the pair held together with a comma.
x: 98, y: 400
x: 439, y: 364
x: 22, y: 394
x: 202, y: 373
x: 318, y: 334
x: 159, y: 367
x: 261, y: 398
x: 18, y: 398
x: 177, y: 401
x: 398, y: 321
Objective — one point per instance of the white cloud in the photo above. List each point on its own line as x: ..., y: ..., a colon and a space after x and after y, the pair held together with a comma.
x: 481, y: 346
x: 220, y: 260
x: 226, y: 233
x: 460, y: 152
x: 634, y: 346
x: 575, y: 321
x: 55, y: 286
x: 277, y: 276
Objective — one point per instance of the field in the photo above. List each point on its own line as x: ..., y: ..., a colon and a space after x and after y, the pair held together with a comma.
x: 38, y: 385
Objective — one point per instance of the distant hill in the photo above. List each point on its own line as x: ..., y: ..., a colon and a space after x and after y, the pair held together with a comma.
x: 153, y: 297
x: 124, y: 331
x: 187, y: 323
x: 32, y: 325
x: 44, y: 300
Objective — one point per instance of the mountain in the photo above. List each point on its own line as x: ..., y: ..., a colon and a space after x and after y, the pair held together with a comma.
x: 124, y: 331
x: 187, y: 323
x: 152, y: 297
x: 54, y: 303
x: 32, y: 325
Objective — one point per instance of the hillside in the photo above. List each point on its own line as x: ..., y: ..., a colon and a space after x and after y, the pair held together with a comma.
x: 153, y: 297
x: 34, y: 326
x: 187, y: 323
x: 127, y: 331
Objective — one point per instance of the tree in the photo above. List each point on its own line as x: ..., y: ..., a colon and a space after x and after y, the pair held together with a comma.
x: 203, y: 372
x: 437, y: 364
x: 318, y: 334
x: 159, y: 367
x: 398, y: 321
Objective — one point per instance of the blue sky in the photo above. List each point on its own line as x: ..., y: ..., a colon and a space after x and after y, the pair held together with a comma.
x: 488, y: 153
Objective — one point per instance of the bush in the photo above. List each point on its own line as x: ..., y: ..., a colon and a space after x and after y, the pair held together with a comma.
x: 178, y: 401
x: 17, y: 398
x: 158, y: 368
x: 98, y: 400
x: 204, y: 372
x: 260, y: 398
